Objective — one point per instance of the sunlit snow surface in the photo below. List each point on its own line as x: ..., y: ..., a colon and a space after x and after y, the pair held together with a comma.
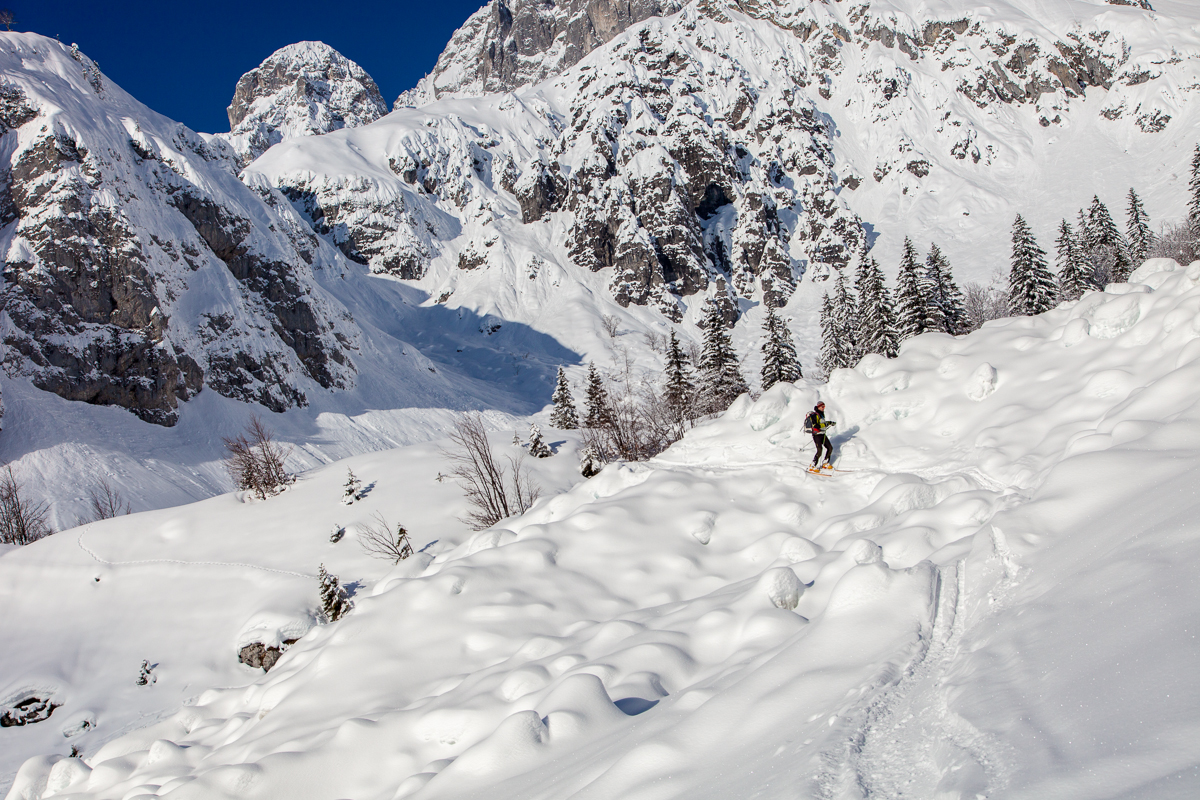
x: 996, y: 601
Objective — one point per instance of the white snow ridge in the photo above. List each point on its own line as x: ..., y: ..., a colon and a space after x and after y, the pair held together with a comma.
x: 992, y: 594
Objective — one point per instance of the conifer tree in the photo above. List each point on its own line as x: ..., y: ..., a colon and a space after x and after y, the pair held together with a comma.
x: 779, y: 354
x: 846, y: 322
x: 335, y: 603
x: 912, y: 295
x: 1073, y: 278
x: 1194, y: 184
x: 678, y: 386
x: 1138, y: 233
x: 876, y: 315
x: 1102, y: 233
x: 564, y: 417
x: 598, y: 412
x: 537, y: 445
x: 1031, y: 287
x: 352, y: 488
x: 946, y: 308
x: 721, y: 380
x: 830, y: 358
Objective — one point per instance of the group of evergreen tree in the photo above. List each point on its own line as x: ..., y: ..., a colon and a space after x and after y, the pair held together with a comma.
x: 1088, y: 257
x: 868, y: 320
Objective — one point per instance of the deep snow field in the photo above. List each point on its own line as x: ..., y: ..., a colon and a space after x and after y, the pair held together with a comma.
x: 995, y: 599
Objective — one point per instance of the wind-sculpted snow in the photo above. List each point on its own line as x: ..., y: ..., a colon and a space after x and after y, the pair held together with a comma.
x: 986, y: 602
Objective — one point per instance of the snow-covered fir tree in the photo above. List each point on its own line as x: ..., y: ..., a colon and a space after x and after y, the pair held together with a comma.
x: 678, y: 386
x: 1194, y: 185
x: 779, y: 353
x: 839, y: 328
x: 876, y: 313
x: 721, y: 380
x: 598, y: 413
x: 1031, y: 287
x: 352, y: 488
x: 564, y: 417
x: 846, y: 320
x: 946, y: 312
x: 1073, y: 278
x: 537, y: 445
x: 1137, y: 233
x: 912, y: 295
x: 335, y: 603
x: 830, y: 358
x: 1104, y: 241
x: 590, y: 462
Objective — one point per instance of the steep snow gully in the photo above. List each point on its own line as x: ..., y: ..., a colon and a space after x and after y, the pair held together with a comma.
x: 995, y: 600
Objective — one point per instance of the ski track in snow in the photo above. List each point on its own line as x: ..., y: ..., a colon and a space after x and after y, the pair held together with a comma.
x: 234, y: 564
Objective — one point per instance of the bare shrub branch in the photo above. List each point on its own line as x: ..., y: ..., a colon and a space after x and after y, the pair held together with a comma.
x: 1179, y: 242
x: 640, y: 423
x: 611, y: 325
x: 493, y: 490
x: 108, y: 502
x: 256, y: 461
x: 22, y: 521
x: 378, y: 541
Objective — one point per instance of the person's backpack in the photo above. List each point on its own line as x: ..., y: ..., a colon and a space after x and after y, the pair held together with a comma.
x: 812, y: 423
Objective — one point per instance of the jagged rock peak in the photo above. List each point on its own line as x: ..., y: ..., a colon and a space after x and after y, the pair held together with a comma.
x: 512, y: 43
x: 304, y: 89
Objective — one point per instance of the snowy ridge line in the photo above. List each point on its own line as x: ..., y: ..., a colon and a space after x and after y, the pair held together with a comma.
x: 107, y: 563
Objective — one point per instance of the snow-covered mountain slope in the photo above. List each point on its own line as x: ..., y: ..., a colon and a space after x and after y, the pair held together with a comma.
x: 141, y: 272
x: 993, y: 601
x: 304, y: 89
x: 743, y: 143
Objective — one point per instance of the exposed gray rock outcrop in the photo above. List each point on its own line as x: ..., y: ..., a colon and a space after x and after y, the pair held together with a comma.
x: 303, y: 89
x: 138, y: 268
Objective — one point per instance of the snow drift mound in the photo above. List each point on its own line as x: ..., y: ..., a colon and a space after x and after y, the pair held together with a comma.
x: 987, y: 603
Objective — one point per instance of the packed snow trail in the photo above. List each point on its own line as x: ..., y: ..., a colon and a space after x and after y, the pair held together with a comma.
x: 995, y: 602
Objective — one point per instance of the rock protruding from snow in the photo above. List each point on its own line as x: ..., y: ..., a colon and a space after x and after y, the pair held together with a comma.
x: 304, y: 89
x: 512, y: 43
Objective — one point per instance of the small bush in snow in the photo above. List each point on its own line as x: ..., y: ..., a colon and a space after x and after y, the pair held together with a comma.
x: 1180, y: 242
x: 493, y: 491
x: 611, y: 325
x: 537, y: 445
x: 22, y: 520
x: 107, y: 502
x: 984, y: 303
x: 335, y: 603
x: 146, y: 675
x: 590, y: 462
x: 352, y: 489
x: 378, y: 541
x: 255, y: 461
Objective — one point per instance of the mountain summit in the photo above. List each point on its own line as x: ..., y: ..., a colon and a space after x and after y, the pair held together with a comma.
x: 304, y: 89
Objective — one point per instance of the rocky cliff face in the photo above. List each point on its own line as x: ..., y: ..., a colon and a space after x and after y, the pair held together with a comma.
x: 512, y: 43
x: 137, y: 268
x: 729, y: 149
x: 303, y: 89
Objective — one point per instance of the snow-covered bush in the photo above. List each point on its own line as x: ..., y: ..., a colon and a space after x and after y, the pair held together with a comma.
x: 22, y: 520
x: 255, y: 460
x: 493, y: 491
x: 378, y: 541
x: 335, y: 603
x: 352, y: 489
x: 590, y: 462
x: 537, y: 445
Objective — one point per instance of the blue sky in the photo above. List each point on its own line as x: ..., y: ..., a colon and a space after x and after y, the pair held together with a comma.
x: 183, y: 59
